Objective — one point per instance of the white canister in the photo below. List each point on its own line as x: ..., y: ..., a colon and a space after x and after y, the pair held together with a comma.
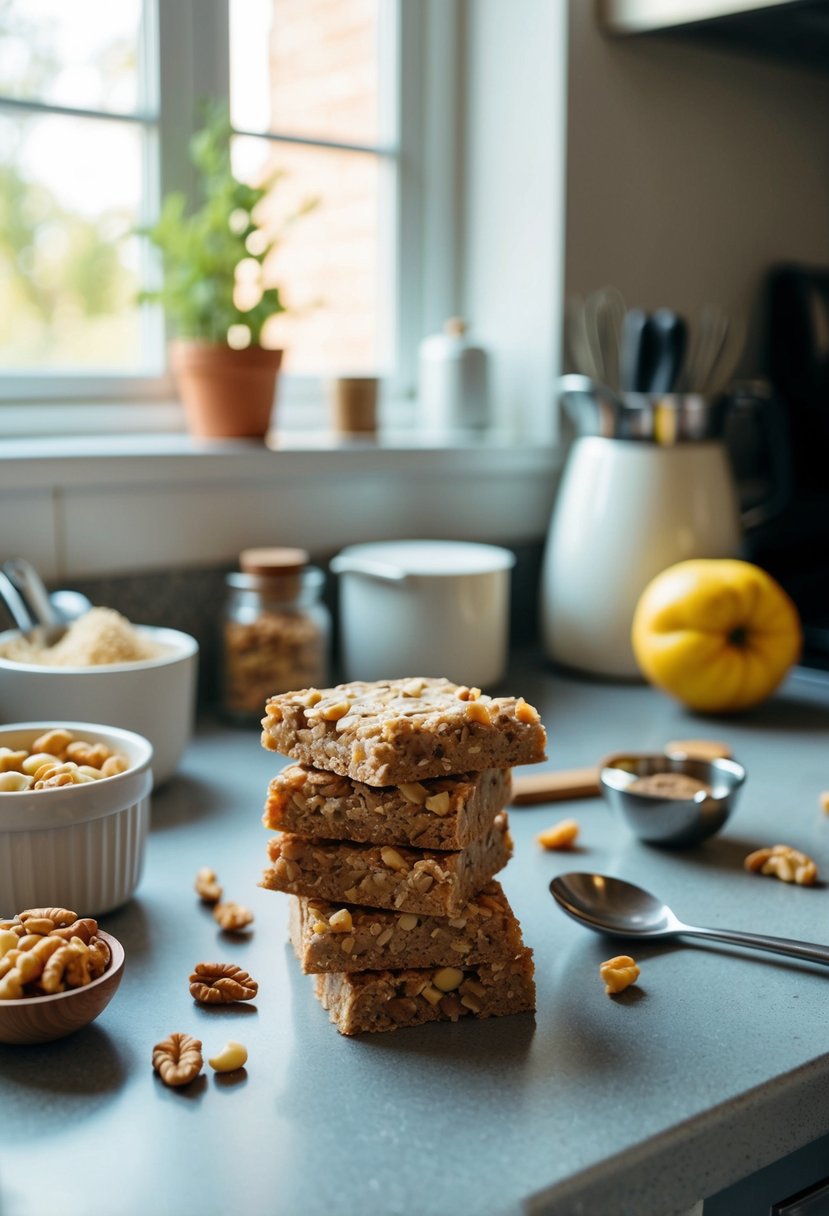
x: 424, y: 608
x: 453, y: 390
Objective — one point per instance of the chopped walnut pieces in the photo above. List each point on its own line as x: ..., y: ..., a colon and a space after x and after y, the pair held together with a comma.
x: 207, y: 886
x: 783, y: 862
x: 231, y: 917
x: 178, y: 1060
x: 824, y: 801
x: 560, y: 835
x: 618, y: 973
x: 221, y: 984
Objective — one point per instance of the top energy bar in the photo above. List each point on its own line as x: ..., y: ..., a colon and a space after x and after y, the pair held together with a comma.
x: 394, y: 732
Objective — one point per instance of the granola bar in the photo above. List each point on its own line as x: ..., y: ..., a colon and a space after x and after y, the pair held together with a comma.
x: 441, y: 813
x: 362, y: 1001
x: 422, y: 881
x: 392, y: 733
x: 337, y: 937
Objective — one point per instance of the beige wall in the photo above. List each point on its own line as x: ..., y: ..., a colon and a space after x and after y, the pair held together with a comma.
x: 690, y: 171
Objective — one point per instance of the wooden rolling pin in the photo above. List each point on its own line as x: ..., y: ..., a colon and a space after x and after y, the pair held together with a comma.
x: 528, y: 789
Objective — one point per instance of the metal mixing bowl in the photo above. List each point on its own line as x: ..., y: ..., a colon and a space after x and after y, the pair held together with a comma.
x: 674, y: 822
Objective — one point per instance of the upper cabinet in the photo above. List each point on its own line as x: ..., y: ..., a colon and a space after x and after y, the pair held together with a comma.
x: 796, y: 30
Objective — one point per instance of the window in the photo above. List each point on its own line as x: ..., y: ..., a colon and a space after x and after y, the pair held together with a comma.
x: 78, y: 133
x: 97, y: 105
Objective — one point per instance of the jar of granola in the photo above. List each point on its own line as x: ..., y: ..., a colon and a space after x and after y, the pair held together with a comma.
x: 276, y: 630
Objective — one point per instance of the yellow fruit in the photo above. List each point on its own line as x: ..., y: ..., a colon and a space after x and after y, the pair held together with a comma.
x: 718, y: 634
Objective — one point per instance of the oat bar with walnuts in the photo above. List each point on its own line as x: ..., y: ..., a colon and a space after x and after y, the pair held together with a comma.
x: 423, y: 881
x: 439, y: 813
x: 364, y: 1001
x: 395, y: 732
x: 340, y: 937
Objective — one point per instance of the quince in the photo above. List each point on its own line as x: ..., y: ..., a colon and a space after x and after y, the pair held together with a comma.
x: 718, y: 634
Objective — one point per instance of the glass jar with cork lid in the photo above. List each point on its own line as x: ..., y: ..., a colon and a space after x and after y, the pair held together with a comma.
x: 275, y: 632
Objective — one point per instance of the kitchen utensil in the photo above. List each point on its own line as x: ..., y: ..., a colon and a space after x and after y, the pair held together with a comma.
x: 69, y: 605
x: 14, y: 602
x: 76, y: 846
x: 578, y: 351
x: 41, y: 1019
x: 674, y: 822
x: 529, y: 789
x: 637, y: 351
x: 51, y: 627
x: 668, y: 334
x: 716, y: 343
x: 424, y: 608
x: 604, y: 313
x: 153, y: 697
x: 620, y: 909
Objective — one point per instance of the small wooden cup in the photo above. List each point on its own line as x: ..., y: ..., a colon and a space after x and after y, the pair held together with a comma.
x: 40, y: 1019
x: 353, y: 404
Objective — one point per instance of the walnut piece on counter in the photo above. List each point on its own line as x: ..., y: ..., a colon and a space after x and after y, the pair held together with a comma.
x: 221, y: 984
x: 618, y: 973
x: 783, y: 862
x: 178, y: 1059
x: 559, y: 836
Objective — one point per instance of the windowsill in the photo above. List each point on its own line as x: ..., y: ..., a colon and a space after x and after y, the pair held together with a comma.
x: 85, y: 505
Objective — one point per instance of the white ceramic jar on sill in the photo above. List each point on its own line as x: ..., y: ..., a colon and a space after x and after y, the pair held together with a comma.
x: 424, y: 608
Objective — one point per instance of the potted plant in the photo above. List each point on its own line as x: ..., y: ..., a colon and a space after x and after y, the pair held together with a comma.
x: 225, y: 376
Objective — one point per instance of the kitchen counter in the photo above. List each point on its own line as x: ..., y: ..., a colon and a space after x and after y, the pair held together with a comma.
x: 715, y: 1064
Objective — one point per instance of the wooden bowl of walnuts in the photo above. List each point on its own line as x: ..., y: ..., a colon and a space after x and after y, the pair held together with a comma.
x: 58, y: 972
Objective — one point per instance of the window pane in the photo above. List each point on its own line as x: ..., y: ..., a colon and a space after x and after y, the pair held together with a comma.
x: 69, y: 189
x: 82, y: 53
x: 328, y: 265
x: 306, y: 67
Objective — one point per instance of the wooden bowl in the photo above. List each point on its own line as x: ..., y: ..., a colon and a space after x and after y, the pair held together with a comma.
x: 40, y: 1019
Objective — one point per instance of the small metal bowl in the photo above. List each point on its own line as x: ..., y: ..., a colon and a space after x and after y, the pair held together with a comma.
x: 670, y: 821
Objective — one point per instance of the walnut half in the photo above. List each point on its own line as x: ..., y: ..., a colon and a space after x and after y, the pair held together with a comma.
x: 178, y: 1060
x: 221, y: 984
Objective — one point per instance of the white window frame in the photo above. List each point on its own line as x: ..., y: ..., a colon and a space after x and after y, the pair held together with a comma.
x: 193, y: 64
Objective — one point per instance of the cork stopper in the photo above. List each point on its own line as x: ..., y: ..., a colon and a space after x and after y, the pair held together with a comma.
x: 273, y: 563
x: 455, y: 327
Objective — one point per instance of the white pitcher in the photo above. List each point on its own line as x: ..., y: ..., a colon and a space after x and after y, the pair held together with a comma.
x: 648, y: 483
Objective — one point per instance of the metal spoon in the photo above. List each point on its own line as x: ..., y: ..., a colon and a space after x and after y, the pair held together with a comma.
x: 14, y: 602
x: 613, y: 906
x: 26, y: 580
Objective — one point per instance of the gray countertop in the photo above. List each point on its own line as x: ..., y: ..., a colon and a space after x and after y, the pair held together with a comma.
x: 716, y: 1063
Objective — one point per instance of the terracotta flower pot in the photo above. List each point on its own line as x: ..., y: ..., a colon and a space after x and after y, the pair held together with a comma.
x: 226, y: 393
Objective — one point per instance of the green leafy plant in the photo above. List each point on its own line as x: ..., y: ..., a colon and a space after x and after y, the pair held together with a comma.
x: 202, y: 250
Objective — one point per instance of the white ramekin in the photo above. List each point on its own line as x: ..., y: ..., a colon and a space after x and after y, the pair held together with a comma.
x: 78, y: 846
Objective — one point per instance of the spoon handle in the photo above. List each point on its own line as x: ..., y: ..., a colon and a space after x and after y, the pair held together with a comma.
x: 760, y: 941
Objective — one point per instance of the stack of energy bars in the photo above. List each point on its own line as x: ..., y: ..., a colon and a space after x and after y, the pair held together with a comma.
x: 391, y: 827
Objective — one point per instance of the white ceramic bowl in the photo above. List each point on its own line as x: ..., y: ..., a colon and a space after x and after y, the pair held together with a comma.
x: 77, y: 846
x: 154, y: 697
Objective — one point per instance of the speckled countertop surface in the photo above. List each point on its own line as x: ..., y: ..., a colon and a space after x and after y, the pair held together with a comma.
x: 714, y: 1065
